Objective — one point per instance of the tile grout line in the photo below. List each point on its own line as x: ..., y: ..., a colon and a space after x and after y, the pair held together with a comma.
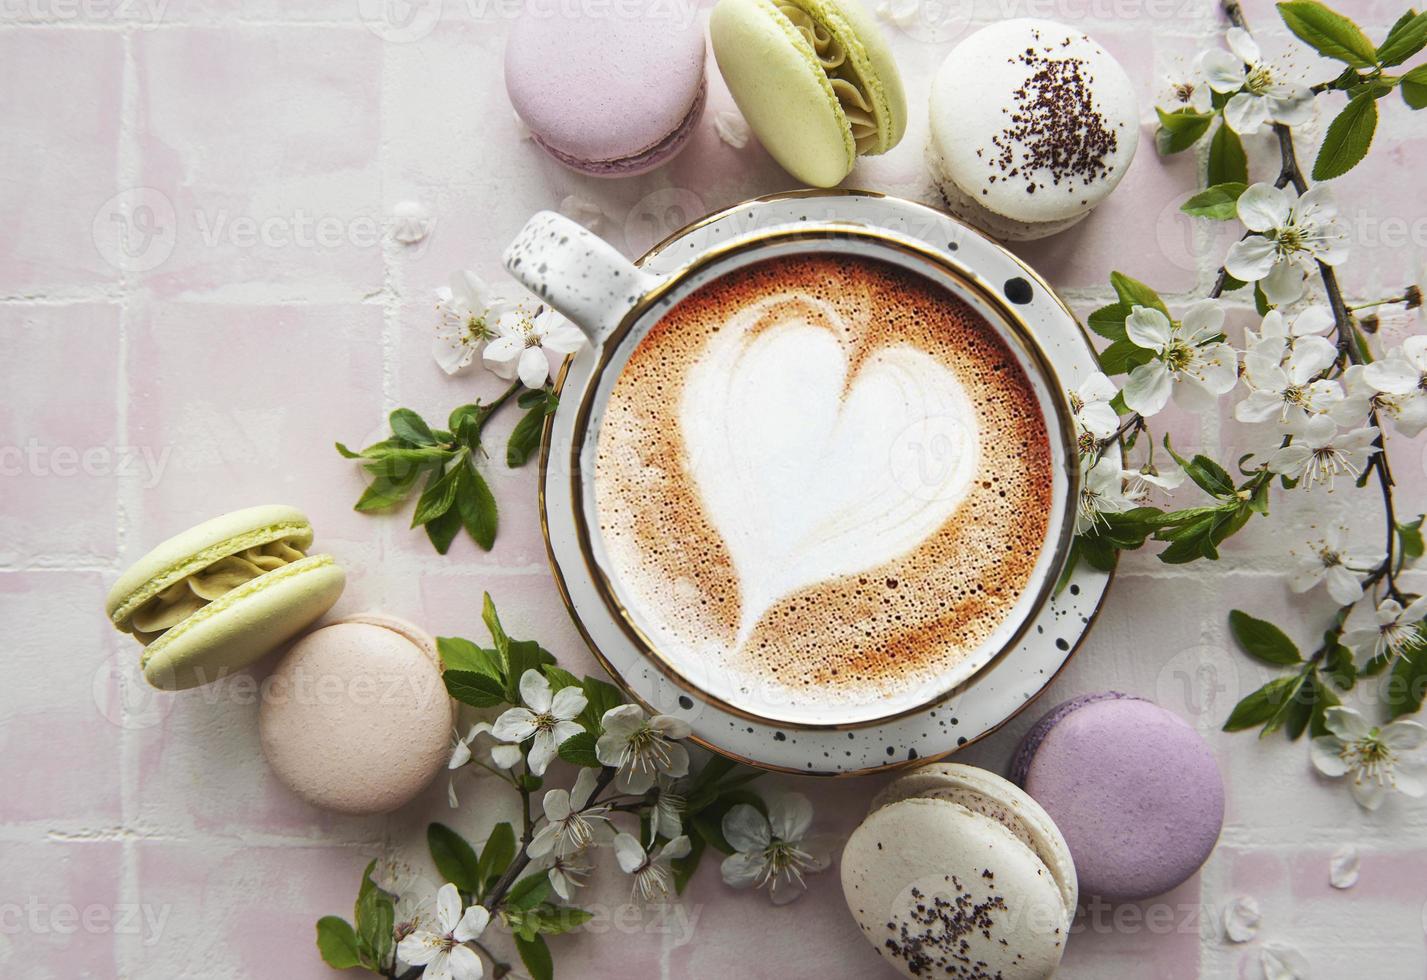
x: 129, y: 175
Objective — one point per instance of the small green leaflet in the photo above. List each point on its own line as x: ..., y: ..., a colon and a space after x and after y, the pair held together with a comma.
x: 1329, y: 32
x: 1348, y: 138
x: 1414, y: 87
x: 1180, y: 130
x: 1263, y: 640
x: 1407, y: 37
x: 1219, y: 202
x: 1227, y: 162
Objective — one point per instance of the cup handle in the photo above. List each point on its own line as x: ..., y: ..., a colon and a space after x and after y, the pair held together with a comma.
x: 579, y: 274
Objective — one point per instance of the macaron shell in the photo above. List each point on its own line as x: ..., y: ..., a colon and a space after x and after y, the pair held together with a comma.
x: 598, y: 90
x: 1136, y: 792
x: 876, y: 65
x: 941, y: 891
x: 986, y: 793
x: 968, y: 209
x: 974, y: 94
x: 782, y: 91
x: 356, y: 719
x: 243, y: 625
x: 200, y: 546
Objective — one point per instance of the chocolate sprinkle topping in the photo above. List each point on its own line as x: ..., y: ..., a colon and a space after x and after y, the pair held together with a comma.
x: 1055, y: 123
x: 939, y: 947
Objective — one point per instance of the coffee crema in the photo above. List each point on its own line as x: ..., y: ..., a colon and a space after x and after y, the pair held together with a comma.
x: 824, y: 475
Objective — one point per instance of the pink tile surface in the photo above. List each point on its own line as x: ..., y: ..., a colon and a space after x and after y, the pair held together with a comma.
x: 193, y: 280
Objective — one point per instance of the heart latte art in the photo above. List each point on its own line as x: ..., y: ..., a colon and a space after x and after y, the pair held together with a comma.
x: 825, y: 476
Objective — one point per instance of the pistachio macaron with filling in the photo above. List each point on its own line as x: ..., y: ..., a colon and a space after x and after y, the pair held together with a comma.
x: 219, y: 596
x: 814, y: 78
x: 958, y: 872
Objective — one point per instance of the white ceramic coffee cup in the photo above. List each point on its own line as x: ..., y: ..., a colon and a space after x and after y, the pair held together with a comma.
x: 615, y: 303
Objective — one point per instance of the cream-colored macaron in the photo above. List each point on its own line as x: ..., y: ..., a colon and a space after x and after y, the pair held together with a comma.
x: 356, y: 717
x: 957, y: 872
x: 1032, y: 125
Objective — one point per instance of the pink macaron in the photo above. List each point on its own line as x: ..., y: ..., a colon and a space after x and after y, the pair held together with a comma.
x: 609, y: 93
x: 1134, y: 788
x: 356, y: 718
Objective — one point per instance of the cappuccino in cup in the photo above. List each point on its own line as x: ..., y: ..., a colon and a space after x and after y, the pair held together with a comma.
x: 826, y: 479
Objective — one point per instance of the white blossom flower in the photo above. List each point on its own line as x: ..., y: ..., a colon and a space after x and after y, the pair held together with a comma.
x: 642, y: 748
x: 1375, y: 760
x: 666, y: 819
x: 1242, y: 917
x: 1403, y: 371
x: 471, y: 313
x: 1407, y: 412
x: 500, y: 755
x: 1320, y: 452
x: 732, y: 128
x: 1289, y: 236
x: 1102, y: 491
x: 1278, y: 335
x: 570, y: 823
x: 444, y: 953
x: 547, y: 718
x: 1261, y: 92
x: 1339, y: 567
x: 413, y: 909
x: 567, y: 874
x: 1284, y: 383
x: 653, y: 877
x: 772, y: 851
x: 1143, y: 482
x: 522, y: 345
x: 1190, y: 361
x: 1396, y: 629
x: 1187, y: 88
x: 1094, y: 418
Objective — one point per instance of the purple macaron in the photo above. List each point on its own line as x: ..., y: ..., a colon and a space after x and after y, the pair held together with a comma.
x: 1133, y: 788
x: 611, y: 93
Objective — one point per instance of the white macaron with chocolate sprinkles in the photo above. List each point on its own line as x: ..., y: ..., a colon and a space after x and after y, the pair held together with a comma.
x: 956, y: 872
x: 1032, y: 125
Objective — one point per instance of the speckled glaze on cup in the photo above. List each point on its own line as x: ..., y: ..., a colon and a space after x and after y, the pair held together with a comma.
x: 968, y: 714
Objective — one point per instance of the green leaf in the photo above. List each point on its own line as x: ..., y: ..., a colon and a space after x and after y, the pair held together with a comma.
x: 1407, y: 684
x: 1123, y: 356
x: 555, y: 920
x: 1329, y: 32
x: 1134, y: 293
x: 376, y: 921
x: 528, y: 892
x: 579, y: 750
x: 1323, y: 699
x: 559, y: 677
x: 536, y: 957
x: 1181, y: 129
x: 465, y: 415
x: 1414, y: 87
x: 476, y: 503
x: 1263, y: 640
x: 1349, y: 136
x: 385, y: 491
x: 525, y: 437
x: 1407, y: 37
x: 1261, y: 303
x: 454, y: 857
x: 600, y: 696
x: 1262, y: 704
x: 459, y: 654
x: 1409, y: 540
x: 439, y: 495
x: 492, y: 621
x: 1218, y: 202
x: 1109, y: 321
x: 496, y: 855
x: 337, y: 942
x: 1227, y: 162
x: 406, y: 424
x: 479, y: 690
x: 1338, y: 662
x: 441, y: 531
x: 1207, y: 475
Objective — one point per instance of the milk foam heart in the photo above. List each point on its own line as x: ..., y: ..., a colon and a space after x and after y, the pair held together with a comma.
x: 821, y: 479
x: 809, y: 471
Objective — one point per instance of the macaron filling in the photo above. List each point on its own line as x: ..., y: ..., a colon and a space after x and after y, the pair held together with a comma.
x: 196, y: 590
x: 847, y: 85
x: 216, y: 606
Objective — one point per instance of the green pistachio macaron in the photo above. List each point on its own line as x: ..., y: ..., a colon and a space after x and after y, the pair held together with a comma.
x: 814, y: 78
x: 221, y: 595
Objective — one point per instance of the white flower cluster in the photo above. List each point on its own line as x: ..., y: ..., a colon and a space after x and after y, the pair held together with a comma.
x: 512, y: 341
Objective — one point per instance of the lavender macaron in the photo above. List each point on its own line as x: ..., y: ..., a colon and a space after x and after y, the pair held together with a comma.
x: 612, y: 93
x: 1133, y: 788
